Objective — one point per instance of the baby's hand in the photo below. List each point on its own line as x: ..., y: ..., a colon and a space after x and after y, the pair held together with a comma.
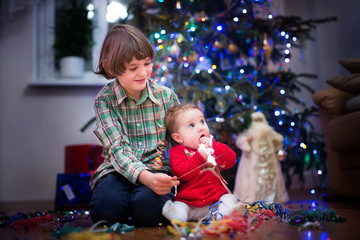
x: 206, y: 150
x: 203, y: 153
x: 206, y: 141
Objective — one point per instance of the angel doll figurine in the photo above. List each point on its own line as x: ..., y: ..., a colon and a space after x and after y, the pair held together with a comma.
x: 259, y: 176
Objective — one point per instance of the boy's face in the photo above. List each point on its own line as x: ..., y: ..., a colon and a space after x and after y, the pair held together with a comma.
x: 133, y: 80
x: 191, y: 126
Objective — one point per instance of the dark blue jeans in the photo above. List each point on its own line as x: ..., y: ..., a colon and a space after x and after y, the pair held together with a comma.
x: 116, y: 199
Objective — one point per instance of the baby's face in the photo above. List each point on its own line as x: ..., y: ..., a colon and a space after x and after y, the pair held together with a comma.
x: 191, y: 126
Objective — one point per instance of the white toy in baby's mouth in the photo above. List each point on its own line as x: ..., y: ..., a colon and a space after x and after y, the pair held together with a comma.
x: 209, y: 151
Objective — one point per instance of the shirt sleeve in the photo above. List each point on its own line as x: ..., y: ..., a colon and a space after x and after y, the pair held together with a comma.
x: 111, y: 132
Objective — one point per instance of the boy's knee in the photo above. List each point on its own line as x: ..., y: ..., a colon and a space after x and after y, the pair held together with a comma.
x: 146, y: 207
x: 109, y: 211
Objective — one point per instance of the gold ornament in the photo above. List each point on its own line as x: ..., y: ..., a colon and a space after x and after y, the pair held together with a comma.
x: 267, y: 47
x: 281, y: 155
x: 233, y: 48
x: 217, y: 45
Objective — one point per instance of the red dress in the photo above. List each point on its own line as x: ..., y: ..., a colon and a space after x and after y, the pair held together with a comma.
x: 203, y: 186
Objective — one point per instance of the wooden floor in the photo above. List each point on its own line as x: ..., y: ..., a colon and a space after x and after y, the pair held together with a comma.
x: 269, y: 229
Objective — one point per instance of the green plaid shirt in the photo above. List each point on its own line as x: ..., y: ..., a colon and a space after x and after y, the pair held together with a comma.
x: 129, y: 131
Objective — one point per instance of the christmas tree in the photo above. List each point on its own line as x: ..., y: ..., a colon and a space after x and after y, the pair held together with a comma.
x: 228, y: 57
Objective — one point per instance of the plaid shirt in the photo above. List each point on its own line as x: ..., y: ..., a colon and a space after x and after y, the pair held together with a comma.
x: 129, y: 131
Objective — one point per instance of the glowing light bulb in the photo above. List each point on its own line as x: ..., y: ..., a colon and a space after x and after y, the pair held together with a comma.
x: 313, y: 205
x: 219, y: 119
x: 90, y: 7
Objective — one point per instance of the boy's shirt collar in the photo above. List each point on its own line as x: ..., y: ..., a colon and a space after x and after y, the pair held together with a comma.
x: 147, y: 92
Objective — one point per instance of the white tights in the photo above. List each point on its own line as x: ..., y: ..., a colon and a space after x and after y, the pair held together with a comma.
x: 183, y: 212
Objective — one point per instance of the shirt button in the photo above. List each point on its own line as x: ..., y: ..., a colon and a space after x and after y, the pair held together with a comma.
x: 138, y: 124
x: 140, y: 143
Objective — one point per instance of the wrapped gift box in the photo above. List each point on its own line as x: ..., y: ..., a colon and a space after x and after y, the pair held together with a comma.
x: 72, y: 191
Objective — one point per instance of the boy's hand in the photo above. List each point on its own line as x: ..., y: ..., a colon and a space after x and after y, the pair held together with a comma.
x: 160, y: 183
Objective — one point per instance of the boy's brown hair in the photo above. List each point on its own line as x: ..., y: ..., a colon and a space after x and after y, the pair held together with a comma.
x: 170, y: 119
x: 122, y: 43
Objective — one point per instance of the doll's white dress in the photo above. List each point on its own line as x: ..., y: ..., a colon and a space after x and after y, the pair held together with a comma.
x: 259, y: 176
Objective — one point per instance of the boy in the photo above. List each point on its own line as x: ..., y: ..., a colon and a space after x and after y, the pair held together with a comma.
x: 129, y: 186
